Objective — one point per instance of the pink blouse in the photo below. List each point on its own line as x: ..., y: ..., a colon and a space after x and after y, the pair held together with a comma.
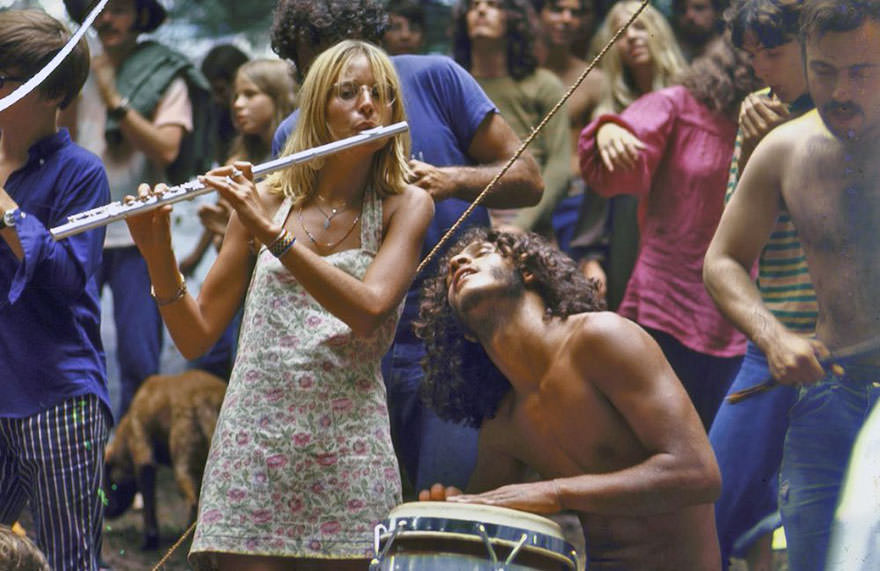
x: 680, y: 180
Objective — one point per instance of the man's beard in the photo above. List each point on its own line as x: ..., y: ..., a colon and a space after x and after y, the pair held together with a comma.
x: 512, y: 288
x: 836, y: 107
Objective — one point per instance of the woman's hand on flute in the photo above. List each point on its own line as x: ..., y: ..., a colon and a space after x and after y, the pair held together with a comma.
x: 151, y: 231
x: 236, y: 185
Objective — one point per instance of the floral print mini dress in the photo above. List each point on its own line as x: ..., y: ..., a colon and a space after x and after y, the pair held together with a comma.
x: 301, y: 462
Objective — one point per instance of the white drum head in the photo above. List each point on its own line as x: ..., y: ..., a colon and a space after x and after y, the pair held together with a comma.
x: 481, y: 513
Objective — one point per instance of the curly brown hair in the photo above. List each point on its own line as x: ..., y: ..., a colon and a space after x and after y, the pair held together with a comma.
x: 721, y: 78
x: 773, y: 22
x: 323, y: 24
x: 461, y: 383
x: 521, y: 27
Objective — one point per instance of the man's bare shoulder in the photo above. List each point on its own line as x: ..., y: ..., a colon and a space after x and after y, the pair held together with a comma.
x: 788, y: 145
x: 588, y: 325
x: 614, y: 353
x: 602, y: 335
x: 792, y: 134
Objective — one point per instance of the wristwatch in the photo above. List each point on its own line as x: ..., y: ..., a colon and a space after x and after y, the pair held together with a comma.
x: 9, y: 218
x: 119, y: 112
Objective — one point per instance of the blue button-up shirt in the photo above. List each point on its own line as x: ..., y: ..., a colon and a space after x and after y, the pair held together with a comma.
x: 50, y: 344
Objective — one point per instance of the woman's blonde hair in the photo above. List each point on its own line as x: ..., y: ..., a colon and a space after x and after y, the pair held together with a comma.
x: 389, y: 170
x: 274, y: 77
x: 618, y: 90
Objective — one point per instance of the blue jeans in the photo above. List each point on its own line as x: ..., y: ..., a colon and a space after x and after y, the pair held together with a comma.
x: 854, y: 545
x: 747, y: 438
x: 137, y: 320
x: 823, y: 425
x: 704, y: 377
x: 429, y: 449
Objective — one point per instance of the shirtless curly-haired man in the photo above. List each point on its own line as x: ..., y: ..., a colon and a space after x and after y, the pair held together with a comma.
x: 582, y: 396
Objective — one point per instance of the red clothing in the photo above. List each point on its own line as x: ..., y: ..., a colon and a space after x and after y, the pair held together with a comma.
x: 680, y: 179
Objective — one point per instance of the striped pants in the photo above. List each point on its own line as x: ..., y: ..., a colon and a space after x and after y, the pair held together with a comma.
x: 54, y: 460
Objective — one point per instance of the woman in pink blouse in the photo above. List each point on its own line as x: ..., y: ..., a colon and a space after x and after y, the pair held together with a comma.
x: 672, y: 148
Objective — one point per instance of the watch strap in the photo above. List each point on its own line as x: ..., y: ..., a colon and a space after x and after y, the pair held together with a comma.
x: 120, y: 111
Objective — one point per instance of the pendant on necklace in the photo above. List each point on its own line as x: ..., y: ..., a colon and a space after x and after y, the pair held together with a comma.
x: 328, y: 219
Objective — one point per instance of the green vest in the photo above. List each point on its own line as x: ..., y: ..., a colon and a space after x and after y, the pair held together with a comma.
x: 143, y: 78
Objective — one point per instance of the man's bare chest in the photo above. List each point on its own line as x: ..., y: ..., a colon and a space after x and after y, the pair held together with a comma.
x: 834, y: 202
x: 573, y: 431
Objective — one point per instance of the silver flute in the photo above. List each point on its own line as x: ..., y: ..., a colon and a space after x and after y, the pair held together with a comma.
x: 114, y: 211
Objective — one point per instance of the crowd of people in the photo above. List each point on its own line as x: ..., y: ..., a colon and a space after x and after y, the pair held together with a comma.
x: 695, y: 222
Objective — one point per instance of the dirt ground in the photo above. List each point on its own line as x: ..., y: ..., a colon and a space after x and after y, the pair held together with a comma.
x: 123, y: 536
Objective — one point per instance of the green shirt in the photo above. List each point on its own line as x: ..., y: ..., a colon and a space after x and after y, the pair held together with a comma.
x: 783, y: 275
x: 523, y: 104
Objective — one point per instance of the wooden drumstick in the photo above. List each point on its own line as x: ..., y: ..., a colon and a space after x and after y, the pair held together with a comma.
x: 851, y: 352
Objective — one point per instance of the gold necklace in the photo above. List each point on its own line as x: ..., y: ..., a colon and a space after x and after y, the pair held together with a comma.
x: 327, y: 245
x: 328, y: 218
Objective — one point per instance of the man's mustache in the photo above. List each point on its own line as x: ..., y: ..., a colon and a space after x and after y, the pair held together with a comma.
x: 103, y: 26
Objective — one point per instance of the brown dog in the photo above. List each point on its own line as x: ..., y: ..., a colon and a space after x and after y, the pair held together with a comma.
x: 170, y: 421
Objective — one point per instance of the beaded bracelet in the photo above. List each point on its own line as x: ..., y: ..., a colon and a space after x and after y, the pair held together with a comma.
x: 281, y: 235
x: 181, y: 291
x: 282, y: 243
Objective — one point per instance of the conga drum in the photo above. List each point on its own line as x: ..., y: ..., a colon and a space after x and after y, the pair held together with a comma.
x: 446, y: 536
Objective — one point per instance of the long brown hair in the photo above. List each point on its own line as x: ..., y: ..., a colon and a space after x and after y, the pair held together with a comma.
x: 274, y: 77
x: 461, y: 382
x: 721, y: 78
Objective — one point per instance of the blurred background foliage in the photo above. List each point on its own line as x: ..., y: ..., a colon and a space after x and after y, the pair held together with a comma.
x: 194, y: 26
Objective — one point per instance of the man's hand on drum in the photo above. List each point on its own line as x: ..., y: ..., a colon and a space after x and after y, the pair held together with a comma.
x: 534, y: 497
x: 438, y: 493
x: 235, y: 183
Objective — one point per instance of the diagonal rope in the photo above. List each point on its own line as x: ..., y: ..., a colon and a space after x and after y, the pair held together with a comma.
x: 493, y: 183
x: 489, y: 187
x: 174, y: 547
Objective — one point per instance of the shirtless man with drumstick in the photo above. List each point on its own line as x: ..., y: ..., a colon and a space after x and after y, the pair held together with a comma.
x: 823, y: 168
x: 582, y: 396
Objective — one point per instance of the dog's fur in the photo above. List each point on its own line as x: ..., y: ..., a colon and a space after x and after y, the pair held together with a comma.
x: 170, y: 421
